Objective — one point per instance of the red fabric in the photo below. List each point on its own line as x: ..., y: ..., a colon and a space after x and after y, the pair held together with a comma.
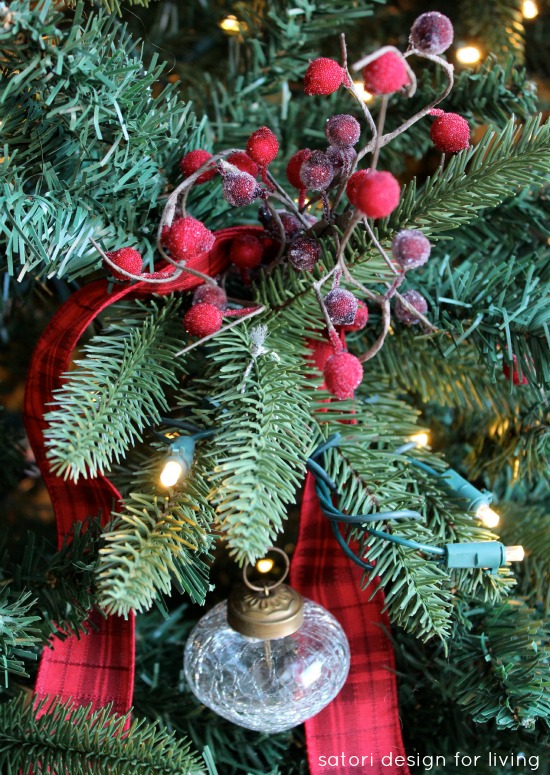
x: 363, y: 720
x: 97, y: 668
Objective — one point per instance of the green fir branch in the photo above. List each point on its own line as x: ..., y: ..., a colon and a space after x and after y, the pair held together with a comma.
x: 18, y: 633
x: 60, y: 737
x: 115, y: 392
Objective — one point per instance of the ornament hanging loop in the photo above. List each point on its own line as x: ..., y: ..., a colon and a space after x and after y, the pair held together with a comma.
x: 266, y: 588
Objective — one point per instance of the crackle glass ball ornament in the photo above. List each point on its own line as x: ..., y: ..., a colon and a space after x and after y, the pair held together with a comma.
x: 267, y: 659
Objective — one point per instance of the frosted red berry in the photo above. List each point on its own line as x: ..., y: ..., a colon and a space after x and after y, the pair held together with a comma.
x: 323, y: 76
x: 377, y: 195
x: 290, y: 223
x: 411, y: 249
x: 239, y: 188
x: 202, y: 320
x: 432, y: 33
x: 317, y: 171
x: 192, y: 161
x: 342, y: 159
x: 244, y: 163
x: 127, y: 259
x: 210, y: 294
x: 304, y: 253
x: 294, y: 165
x: 342, y: 130
x: 341, y: 306
x: 386, y: 74
x: 450, y: 133
x: 246, y: 251
x: 343, y: 373
x: 417, y: 301
x: 262, y: 146
x: 516, y: 379
x: 188, y: 238
x: 360, y: 320
x: 353, y: 184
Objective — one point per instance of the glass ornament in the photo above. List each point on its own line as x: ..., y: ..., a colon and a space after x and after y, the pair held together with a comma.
x: 267, y: 659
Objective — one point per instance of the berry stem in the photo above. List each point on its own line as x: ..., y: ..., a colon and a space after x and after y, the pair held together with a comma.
x: 409, y: 307
x: 379, y: 130
x: 377, y: 346
x: 332, y: 333
x: 351, y: 88
x: 235, y: 322
x: 282, y: 235
x: 378, y: 246
x: 139, y: 277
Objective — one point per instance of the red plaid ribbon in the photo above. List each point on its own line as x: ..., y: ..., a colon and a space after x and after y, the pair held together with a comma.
x: 361, y: 725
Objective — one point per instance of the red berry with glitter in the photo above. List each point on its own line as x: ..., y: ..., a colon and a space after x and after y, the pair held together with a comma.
x: 244, y: 163
x: 192, y: 161
x: 341, y: 306
x: 323, y: 76
x: 294, y: 165
x: 360, y: 320
x: 411, y: 249
x: 342, y: 159
x: 317, y: 172
x: 290, y: 223
x: 188, y: 238
x: 417, y: 301
x: 210, y: 294
x: 516, y: 379
x: 202, y: 320
x: 432, y: 33
x: 304, y: 253
x: 354, y: 183
x: 386, y: 74
x: 343, y: 373
x: 246, y: 251
x: 262, y: 146
x: 239, y: 188
x: 450, y: 132
x: 377, y: 195
x: 342, y: 130
x: 127, y: 259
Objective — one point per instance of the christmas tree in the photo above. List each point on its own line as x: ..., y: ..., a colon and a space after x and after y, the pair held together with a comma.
x: 345, y: 205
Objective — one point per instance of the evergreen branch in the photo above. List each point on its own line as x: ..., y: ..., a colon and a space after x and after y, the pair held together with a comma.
x: 116, y: 391
x: 18, y: 635
x: 60, y: 737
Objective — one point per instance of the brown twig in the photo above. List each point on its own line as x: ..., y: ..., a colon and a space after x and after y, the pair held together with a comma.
x: 221, y: 331
x: 377, y: 346
x: 138, y: 277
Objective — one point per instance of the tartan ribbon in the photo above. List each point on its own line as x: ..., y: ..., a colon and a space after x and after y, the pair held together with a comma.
x: 361, y: 725
x: 97, y: 667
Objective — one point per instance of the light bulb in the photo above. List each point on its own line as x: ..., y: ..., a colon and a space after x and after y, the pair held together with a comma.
x: 515, y: 553
x: 486, y: 514
x: 365, y: 95
x: 171, y: 473
x: 231, y: 25
x: 468, y: 55
x: 264, y: 566
x: 420, y: 439
x: 529, y: 9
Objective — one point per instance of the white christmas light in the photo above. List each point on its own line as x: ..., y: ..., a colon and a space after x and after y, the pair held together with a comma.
x: 231, y: 25
x: 420, y: 439
x: 529, y: 9
x: 468, y: 55
x: 171, y: 473
x: 486, y: 514
x: 515, y: 553
x: 264, y: 566
x: 365, y: 95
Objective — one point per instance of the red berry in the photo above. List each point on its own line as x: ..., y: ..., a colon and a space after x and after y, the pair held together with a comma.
x: 202, y: 320
x: 410, y: 248
x: 432, y: 33
x: 342, y: 159
x: 188, y: 238
x: 341, y: 306
x: 127, y: 259
x: 316, y: 172
x: 360, y: 320
x: 386, y: 74
x: 246, y: 251
x: 343, y: 372
x: 210, y: 294
x: 516, y: 379
x: 291, y: 224
x: 377, y: 195
x: 239, y: 188
x: 417, y: 301
x: 342, y: 130
x: 323, y: 76
x: 354, y: 183
x: 450, y: 133
x: 262, y: 146
x: 243, y: 162
x: 192, y: 161
x: 294, y: 165
x: 304, y: 253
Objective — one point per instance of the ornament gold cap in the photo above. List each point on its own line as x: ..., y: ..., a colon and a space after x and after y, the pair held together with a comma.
x: 267, y: 612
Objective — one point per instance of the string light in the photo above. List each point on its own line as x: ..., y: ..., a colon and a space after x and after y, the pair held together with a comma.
x: 529, y: 9
x: 420, y: 439
x: 171, y: 473
x: 515, y: 553
x: 179, y: 461
x: 468, y: 55
x: 486, y: 514
x: 232, y: 25
x: 264, y: 566
x: 365, y: 95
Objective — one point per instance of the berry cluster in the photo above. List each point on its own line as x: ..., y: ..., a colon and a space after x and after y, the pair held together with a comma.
x: 344, y: 194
